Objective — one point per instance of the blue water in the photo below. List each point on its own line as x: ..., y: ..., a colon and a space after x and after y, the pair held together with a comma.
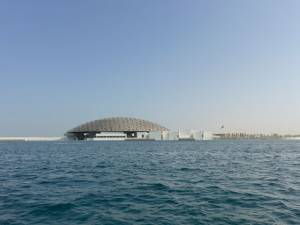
x: 214, y: 182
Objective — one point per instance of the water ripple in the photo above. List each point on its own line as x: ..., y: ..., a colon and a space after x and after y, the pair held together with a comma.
x: 218, y: 182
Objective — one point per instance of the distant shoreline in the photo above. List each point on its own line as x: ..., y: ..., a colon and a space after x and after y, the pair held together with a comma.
x: 36, y: 139
x: 31, y: 138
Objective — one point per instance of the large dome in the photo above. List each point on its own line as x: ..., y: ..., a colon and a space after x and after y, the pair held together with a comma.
x: 118, y: 124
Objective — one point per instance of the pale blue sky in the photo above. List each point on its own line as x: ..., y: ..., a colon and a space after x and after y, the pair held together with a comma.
x: 184, y: 64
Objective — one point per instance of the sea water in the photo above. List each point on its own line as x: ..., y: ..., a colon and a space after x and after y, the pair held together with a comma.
x: 203, y: 182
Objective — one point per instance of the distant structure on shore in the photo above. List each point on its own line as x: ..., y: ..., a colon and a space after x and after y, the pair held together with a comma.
x: 130, y: 129
x: 239, y: 135
x: 133, y: 129
x: 124, y: 128
x: 115, y: 128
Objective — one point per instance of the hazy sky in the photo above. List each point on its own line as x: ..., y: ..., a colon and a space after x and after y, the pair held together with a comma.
x: 184, y: 64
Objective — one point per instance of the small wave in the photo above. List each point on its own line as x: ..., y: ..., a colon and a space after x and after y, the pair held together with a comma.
x: 51, y: 209
x: 188, y: 169
x: 153, y: 187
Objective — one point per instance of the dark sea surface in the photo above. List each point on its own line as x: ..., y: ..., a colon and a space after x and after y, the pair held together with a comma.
x: 208, y: 182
